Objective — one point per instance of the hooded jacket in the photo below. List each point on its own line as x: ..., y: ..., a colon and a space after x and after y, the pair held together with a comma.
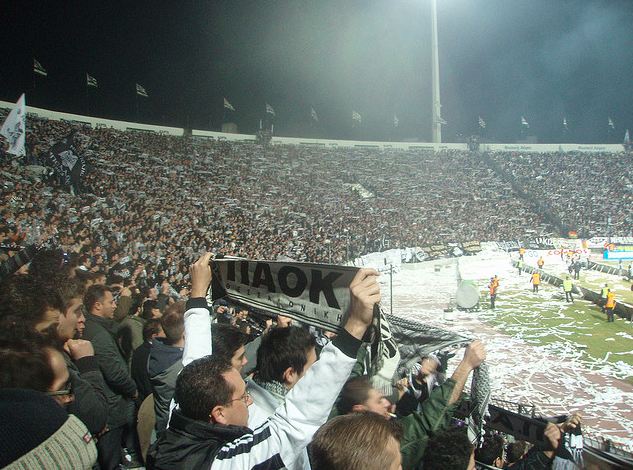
x: 164, y: 365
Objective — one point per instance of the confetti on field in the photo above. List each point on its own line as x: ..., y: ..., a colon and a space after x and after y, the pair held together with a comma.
x: 541, y: 350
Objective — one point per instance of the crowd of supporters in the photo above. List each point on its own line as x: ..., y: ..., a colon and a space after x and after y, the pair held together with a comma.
x: 125, y: 361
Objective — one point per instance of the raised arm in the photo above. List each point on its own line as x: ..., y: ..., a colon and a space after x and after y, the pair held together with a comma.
x: 284, y: 436
x: 197, y: 317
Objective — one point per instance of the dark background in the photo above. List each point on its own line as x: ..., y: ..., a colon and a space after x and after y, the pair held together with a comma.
x: 500, y: 59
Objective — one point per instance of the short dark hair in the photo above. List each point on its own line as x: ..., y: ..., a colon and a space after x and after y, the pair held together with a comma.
x: 50, y: 265
x: 173, y: 322
x: 151, y: 328
x: 201, y: 386
x: 94, y: 294
x: 354, y: 392
x: 24, y: 359
x: 148, y: 306
x: 354, y: 442
x: 24, y: 299
x: 516, y: 450
x: 282, y: 348
x: 226, y: 340
x: 448, y: 450
x: 490, y: 450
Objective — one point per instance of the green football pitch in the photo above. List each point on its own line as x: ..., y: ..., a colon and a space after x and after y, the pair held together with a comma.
x: 545, y: 318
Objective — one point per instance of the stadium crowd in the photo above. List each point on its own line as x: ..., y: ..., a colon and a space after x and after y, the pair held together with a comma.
x: 591, y: 194
x: 126, y: 362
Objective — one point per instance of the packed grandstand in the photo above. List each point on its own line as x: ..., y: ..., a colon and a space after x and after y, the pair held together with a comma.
x: 140, y: 207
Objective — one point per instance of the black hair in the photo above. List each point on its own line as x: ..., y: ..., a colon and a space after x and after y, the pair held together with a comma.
x: 49, y: 265
x: 201, y: 386
x: 151, y: 328
x: 490, y: 450
x: 148, y: 306
x: 24, y: 299
x: 226, y: 340
x: 282, y: 348
x: 24, y: 359
x: 448, y: 450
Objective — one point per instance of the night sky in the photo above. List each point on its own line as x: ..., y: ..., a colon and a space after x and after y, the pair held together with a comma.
x: 543, y: 59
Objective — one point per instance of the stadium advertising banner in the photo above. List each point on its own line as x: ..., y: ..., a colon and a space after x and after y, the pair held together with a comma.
x: 604, y: 242
x: 619, y: 252
x: 317, y: 294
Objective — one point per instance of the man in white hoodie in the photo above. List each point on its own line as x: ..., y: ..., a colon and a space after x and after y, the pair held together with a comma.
x: 283, y: 357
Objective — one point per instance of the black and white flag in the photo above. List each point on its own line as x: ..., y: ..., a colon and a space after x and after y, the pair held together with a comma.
x: 14, y: 128
x: 91, y: 81
x: 482, y: 123
x: 228, y: 105
x: 270, y: 110
x: 140, y: 90
x: 314, y: 115
x: 69, y: 167
x: 356, y: 117
x: 38, y: 69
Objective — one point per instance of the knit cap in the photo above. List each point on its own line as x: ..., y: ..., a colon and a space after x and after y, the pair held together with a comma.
x: 37, y: 433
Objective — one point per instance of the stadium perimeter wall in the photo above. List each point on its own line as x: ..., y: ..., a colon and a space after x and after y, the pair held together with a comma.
x: 323, y: 143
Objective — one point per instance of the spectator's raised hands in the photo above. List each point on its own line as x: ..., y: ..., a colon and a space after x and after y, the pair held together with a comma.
x: 365, y: 293
x: 200, y: 273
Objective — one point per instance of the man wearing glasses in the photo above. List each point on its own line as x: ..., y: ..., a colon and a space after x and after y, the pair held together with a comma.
x: 209, y: 430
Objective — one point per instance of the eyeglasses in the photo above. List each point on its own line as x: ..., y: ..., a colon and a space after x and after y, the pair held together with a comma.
x: 246, y: 398
x: 67, y: 390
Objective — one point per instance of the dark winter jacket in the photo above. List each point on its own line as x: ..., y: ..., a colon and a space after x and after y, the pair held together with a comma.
x: 120, y: 388
x: 190, y: 444
x: 90, y: 404
x: 164, y: 365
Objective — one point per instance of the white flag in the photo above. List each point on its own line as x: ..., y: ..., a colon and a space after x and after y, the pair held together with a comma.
x: 228, y: 105
x: 565, y: 124
x: 482, y: 123
x: 37, y: 68
x: 140, y: 90
x: 314, y: 115
x: 356, y: 117
x: 269, y: 109
x: 611, y: 125
x: 91, y: 81
x: 524, y: 122
x: 14, y: 128
x: 396, y: 121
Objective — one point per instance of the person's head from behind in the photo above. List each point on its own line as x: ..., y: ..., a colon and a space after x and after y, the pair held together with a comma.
x: 152, y: 329
x: 211, y: 390
x: 28, y: 360
x: 285, y: 355
x: 100, y: 301
x: 449, y: 450
x: 150, y: 310
x: 50, y: 265
x: 492, y: 451
x: 228, y: 342
x: 358, y: 395
x: 24, y: 299
x: 173, y: 324
x: 72, y: 318
x: 516, y: 450
x: 358, y: 441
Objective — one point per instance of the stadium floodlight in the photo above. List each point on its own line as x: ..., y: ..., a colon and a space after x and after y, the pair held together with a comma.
x: 435, y: 71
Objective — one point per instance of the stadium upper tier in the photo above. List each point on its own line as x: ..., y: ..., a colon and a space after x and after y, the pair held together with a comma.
x: 164, y: 198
